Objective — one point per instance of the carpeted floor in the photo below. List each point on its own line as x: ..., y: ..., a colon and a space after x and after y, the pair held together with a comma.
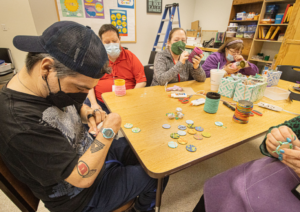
x: 185, y: 187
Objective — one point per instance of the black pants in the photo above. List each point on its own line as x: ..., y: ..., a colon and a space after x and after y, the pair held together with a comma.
x: 200, y: 206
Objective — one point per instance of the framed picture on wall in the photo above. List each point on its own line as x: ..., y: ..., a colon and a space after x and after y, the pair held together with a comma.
x: 154, y: 6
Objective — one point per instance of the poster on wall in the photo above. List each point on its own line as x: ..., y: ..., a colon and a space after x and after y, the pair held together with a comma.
x: 118, y: 18
x: 71, y: 8
x: 126, y: 4
x: 154, y: 6
x: 94, y: 9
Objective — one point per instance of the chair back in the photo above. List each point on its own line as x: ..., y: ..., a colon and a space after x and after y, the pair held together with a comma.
x: 149, y: 71
x: 152, y: 57
x: 289, y: 73
x: 5, y: 54
x: 16, y: 191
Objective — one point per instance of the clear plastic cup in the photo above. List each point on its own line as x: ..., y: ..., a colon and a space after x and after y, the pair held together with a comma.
x: 216, y: 76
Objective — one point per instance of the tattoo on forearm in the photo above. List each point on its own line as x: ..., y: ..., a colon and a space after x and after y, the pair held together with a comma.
x: 96, y: 146
x: 84, y: 170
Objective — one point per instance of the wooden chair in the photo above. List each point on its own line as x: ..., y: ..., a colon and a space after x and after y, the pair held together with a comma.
x: 18, y: 192
x: 22, y: 196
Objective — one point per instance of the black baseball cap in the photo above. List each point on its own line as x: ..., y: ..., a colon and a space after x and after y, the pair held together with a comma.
x: 74, y: 45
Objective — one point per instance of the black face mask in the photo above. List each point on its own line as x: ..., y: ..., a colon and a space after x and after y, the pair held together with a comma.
x: 62, y: 99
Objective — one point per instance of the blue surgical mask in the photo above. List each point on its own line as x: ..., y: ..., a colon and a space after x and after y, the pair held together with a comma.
x: 113, y: 49
x: 230, y: 57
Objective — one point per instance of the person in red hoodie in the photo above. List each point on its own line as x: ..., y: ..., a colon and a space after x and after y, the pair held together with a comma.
x: 125, y: 65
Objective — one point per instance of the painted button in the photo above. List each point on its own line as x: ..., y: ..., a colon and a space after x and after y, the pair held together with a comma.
x: 136, y: 130
x: 182, y: 127
x: 172, y: 144
x: 192, y: 131
x: 198, y: 136
x: 174, y: 135
x: 182, y: 141
x: 191, y: 126
x: 166, y: 126
x: 206, y: 134
x: 191, y: 148
x: 181, y: 133
x: 200, y: 129
x: 128, y: 125
x: 189, y: 122
x: 219, y: 124
x: 178, y: 109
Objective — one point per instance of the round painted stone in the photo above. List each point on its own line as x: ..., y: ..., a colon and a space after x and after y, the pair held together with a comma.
x: 206, y: 134
x: 128, y: 125
x: 219, y: 124
x: 191, y: 126
x: 182, y: 141
x: 189, y: 122
x: 181, y: 133
x: 166, y: 126
x: 199, y: 129
x: 136, y: 130
x: 172, y: 144
x: 178, y: 109
x: 198, y: 136
x: 192, y: 131
x: 191, y: 148
x: 182, y: 127
x: 175, y: 135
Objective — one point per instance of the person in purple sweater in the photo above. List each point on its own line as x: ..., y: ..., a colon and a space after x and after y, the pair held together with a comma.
x: 228, y: 53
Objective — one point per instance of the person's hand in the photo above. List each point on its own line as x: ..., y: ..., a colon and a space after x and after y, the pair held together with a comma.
x: 113, y: 120
x: 197, y: 60
x: 283, y: 134
x: 183, y: 57
x: 92, y: 118
x: 96, y: 106
x: 238, y: 58
x: 291, y: 158
x: 229, y: 69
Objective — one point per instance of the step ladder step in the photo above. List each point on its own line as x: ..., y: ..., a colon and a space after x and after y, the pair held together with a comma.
x: 160, y: 42
x: 165, y: 19
x: 161, y: 33
x: 175, y: 22
x: 157, y: 47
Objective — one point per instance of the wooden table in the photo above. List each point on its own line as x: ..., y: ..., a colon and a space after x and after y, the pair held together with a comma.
x: 146, y: 108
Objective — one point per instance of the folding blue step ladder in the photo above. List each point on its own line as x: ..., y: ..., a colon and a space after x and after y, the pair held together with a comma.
x: 172, y: 9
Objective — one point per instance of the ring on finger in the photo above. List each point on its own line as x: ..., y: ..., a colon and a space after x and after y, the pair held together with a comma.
x: 96, y: 110
x: 89, y: 116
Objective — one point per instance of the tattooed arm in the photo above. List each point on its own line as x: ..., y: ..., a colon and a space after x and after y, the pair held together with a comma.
x: 90, y: 163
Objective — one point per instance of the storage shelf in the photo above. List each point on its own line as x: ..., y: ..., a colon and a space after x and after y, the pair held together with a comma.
x: 280, y: 1
x: 273, y: 24
x: 272, y: 41
x: 261, y: 61
x: 241, y: 21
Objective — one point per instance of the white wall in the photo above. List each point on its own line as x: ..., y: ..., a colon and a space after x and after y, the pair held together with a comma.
x: 147, y: 24
x: 213, y: 14
x: 17, y: 17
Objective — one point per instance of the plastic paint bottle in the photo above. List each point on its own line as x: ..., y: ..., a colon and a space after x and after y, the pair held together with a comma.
x: 120, y: 89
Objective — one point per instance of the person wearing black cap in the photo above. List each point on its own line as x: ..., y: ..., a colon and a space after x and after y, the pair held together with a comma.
x: 42, y: 139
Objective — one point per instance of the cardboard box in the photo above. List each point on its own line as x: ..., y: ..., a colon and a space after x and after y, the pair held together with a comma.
x: 195, y: 29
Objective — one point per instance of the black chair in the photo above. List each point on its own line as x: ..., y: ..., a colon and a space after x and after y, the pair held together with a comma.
x: 125, y: 48
x: 6, y: 55
x: 152, y: 57
x: 289, y: 73
x: 149, y: 71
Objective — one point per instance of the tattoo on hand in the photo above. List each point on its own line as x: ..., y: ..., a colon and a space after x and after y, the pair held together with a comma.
x: 96, y: 146
x: 84, y: 170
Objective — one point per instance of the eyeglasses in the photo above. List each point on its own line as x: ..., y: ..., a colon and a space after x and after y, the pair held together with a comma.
x: 235, y: 52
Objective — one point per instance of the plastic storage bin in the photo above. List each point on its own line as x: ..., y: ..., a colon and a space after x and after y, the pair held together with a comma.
x: 276, y: 93
x: 240, y: 34
x: 230, y: 34
x: 232, y: 28
x: 234, y: 24
x: 242, y: 28
x: 249, y: 34
x: 241, y: 16
x: 252, y: 28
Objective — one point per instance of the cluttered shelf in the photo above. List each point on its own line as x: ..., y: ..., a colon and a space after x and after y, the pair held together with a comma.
x: 239, y: 21
x: 279, y: 1
x: 273, y: 24
x: 202, y: 48
x: 264, y: 40
x: 261, y: 61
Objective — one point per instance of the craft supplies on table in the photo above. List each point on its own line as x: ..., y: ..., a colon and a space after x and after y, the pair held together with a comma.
x: 216, y: 76
x: 273, y: 77
x: 242, y: 111
x: 198, y: 102
x: 276, y: 93
x: 212, y: 102
x: 227, y: 86
x: 119, y: 88
x: 243, y: 92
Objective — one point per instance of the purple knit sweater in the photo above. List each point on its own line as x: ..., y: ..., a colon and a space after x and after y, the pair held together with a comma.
x: 212, y: 63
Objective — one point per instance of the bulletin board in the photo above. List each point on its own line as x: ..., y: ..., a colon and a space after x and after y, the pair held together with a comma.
x: 95, y: 13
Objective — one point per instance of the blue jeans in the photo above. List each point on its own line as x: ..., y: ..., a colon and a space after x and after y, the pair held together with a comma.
x: 123, y: 180
x: 88, y: 103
